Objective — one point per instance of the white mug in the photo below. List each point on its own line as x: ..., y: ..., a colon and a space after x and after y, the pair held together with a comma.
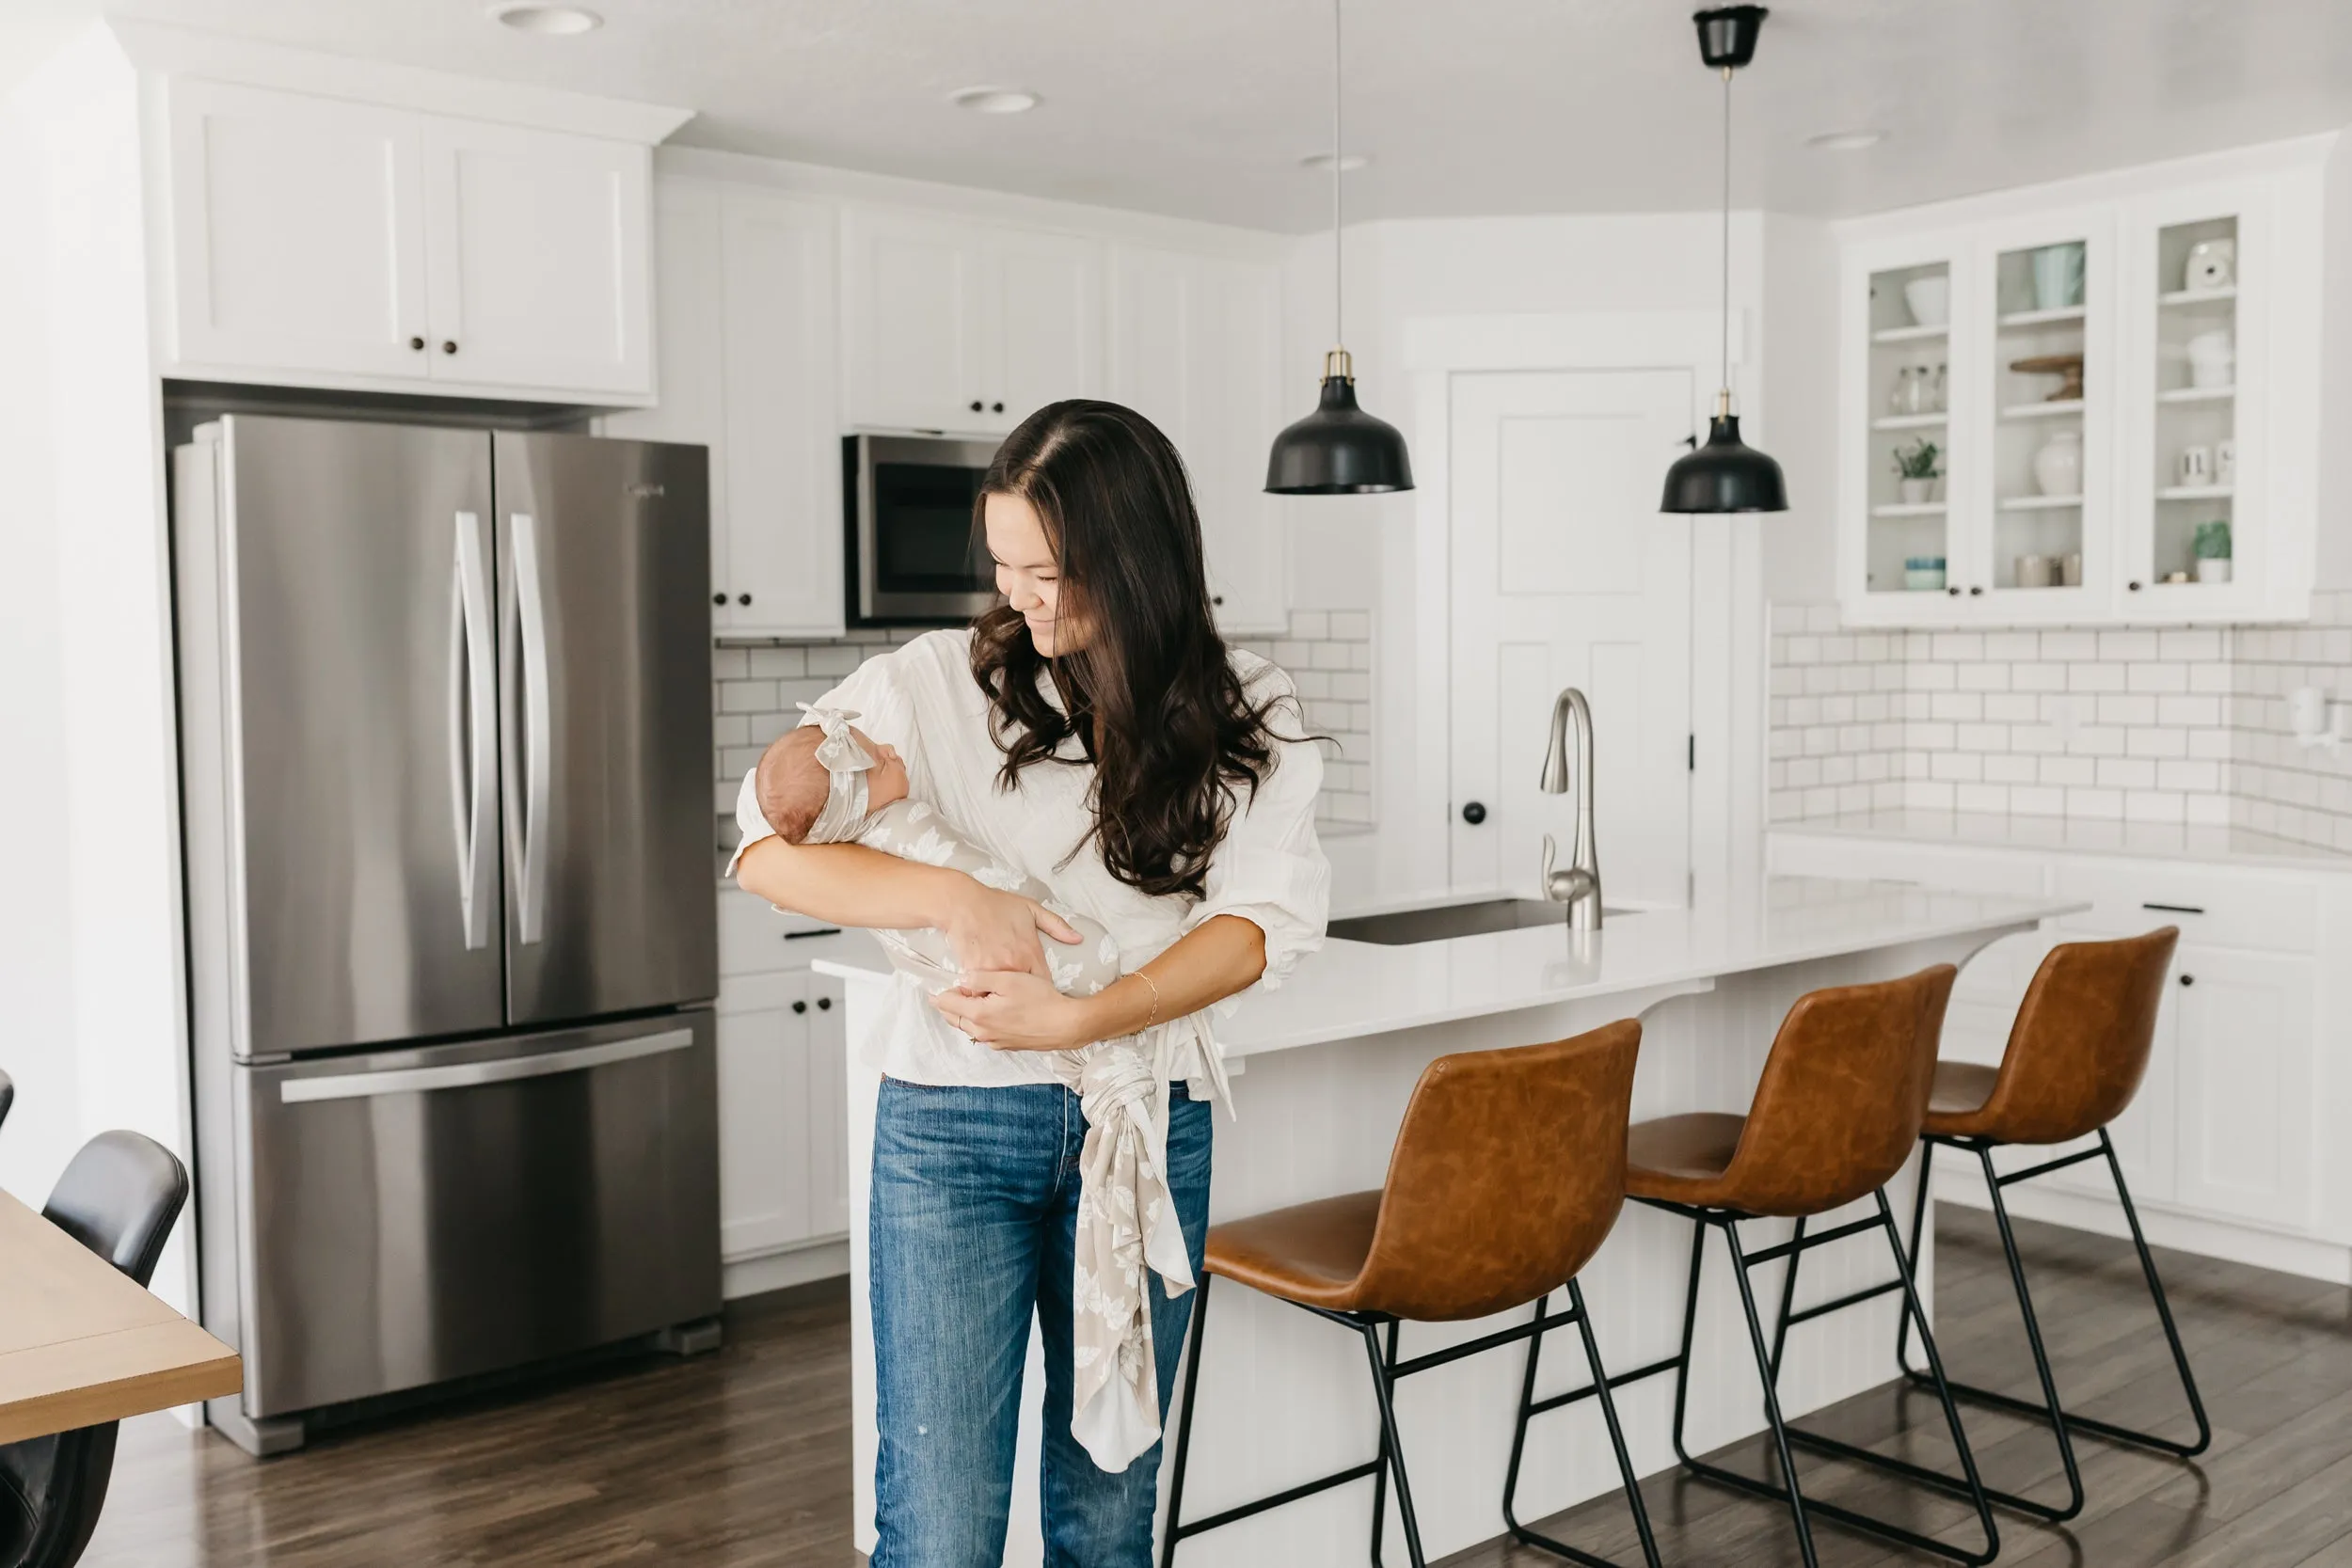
x: 2225, y: 461
x: 2212, y: 358
x: 2196, y: 465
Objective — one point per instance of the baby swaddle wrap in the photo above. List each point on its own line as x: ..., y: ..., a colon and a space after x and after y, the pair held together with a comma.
x: 1127, y: 1225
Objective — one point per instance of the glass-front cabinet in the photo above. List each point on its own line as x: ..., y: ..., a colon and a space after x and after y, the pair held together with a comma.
x: 2087, y: 413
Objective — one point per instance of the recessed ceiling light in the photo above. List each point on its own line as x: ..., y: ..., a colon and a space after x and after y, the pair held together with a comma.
x: 548, y: 21
x: 995, y: 100
x: 1322, y: 161
x: 1846, y: 141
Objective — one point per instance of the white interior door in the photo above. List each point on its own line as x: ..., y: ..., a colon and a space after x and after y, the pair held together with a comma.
x: 1564, y: 573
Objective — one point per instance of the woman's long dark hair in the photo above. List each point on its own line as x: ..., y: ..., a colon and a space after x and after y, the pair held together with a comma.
x: 1175, y: 739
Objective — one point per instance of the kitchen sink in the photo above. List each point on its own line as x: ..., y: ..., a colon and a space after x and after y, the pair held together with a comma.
x: 1406, y: 926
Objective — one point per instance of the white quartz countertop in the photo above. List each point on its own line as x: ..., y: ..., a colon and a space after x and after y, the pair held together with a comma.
x: 1351, y: 989
x: 2169, y: 841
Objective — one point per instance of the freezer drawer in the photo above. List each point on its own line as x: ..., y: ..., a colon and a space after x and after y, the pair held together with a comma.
x: 414, y: 1215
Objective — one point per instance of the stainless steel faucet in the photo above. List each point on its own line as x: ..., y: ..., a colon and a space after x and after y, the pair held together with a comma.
x: 1579, y: 886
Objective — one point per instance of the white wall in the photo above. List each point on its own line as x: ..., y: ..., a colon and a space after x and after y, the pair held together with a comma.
x: 36, y: 999
x: 1798, y: 391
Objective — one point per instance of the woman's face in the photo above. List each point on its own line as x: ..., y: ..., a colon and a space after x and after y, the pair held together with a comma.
x: 1027, y: 575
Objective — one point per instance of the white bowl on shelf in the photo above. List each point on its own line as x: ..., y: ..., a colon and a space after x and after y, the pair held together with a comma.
x: 1930, y: 299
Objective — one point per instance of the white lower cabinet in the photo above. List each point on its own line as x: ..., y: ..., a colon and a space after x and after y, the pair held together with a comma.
x: 784, y: 1176
x: 2219, y: 1142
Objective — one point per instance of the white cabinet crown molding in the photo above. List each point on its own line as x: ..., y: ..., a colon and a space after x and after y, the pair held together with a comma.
x: 160, y: 49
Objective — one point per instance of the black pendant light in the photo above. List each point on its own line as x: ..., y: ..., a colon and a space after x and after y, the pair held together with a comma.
x: 1338, y: 450
x: 1727, y: 474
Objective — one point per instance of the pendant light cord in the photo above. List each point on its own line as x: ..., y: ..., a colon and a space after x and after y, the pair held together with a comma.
x: 1338, y: 337
x: 1726, y: 381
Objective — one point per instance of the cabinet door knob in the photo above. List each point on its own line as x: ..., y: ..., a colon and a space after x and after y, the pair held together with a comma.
x: 2134, y: 587
x: 717, y: 599
x: 417, y: 344
x: 995, y: 407
x: 1974, y: 591
x: 1953, y: 591
x: 2188, y: 979
x: 975, y: 405
x: 1475, y: 812
x: 1216, y: 598
x: 449, y: 345
x: 800, y: 1006
x: 824, y: 1003
x: 743, y: 598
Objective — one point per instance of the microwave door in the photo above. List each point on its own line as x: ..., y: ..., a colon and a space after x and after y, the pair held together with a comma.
x: 920, y: 556
x: 605, y: 724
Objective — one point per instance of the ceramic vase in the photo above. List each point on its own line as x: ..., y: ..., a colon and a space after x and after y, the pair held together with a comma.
x: 2058, y: 468
x: 1917, y: 492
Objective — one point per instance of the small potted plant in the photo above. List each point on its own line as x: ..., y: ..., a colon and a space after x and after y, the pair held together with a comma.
x: 1915, y: 471
x: 2211, y: 547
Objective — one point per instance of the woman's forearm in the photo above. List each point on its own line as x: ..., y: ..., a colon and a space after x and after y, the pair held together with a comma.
x: 848, y: 884
x: 1221, y: 957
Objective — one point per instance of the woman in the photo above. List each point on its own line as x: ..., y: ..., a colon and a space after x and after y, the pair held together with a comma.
x: 1095, y: 732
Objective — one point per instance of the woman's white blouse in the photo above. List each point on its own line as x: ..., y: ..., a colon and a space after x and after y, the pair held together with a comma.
x: 1270, y: 869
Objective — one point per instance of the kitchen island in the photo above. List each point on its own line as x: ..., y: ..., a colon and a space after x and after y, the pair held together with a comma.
x: 1322, y: 1069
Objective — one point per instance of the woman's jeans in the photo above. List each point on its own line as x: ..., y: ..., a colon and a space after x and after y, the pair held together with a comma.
x: 973, y: 1225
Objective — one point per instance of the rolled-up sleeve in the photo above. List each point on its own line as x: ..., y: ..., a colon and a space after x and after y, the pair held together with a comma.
x: 884, y: 711
x: 1270, y: 869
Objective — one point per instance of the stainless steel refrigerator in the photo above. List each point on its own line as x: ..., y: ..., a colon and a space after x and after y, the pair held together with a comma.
x: 446, y: 742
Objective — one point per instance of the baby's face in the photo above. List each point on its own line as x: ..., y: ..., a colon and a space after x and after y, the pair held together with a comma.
x: 886, y: 780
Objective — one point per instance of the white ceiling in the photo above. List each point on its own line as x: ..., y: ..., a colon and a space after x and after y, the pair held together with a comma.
x: 1203, y: 108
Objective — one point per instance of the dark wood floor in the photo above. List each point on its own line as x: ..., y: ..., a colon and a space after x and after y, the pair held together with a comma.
x: 742, y: 1458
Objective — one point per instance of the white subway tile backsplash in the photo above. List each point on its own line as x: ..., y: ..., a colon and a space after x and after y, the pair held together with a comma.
x: 2174, y: 726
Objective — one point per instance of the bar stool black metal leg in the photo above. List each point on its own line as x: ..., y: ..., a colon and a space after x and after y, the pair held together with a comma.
x: 2052, y: 1412
x: 1617, y: 1441
x: 1690, y: 1325
x: 1519, y: 1429
x: 1616, y: 1433
x: 1183, y: 1426
x: 1911, y: 1262
x: 1380, y: 1463
x: 1788, y: 1298
x: 1772, y: 1397
x: 2171, y: 1333
x: 1383, y: 1390
x: 1943, y: 1392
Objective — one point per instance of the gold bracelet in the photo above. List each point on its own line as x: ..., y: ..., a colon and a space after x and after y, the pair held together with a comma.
x: 1154, y: 1016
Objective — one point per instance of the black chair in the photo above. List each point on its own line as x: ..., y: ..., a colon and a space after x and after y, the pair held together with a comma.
x: 118, y: 1197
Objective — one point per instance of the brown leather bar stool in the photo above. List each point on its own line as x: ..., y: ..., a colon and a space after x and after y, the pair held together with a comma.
x: 2076, y: 1057
x: 1840, y: 1104
x: 1506, y: 1177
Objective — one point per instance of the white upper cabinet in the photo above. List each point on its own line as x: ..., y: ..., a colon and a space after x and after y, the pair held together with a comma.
x: 966, y: 327
x: 298, y: 233
x: 1195, y: 347
x: 2123, y: 420
x: 536, y: 259
x: 747, y: 368
x: 321, y: 242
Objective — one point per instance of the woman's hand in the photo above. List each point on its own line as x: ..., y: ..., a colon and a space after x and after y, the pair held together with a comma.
x: 1016, y: 1010
x: 993, y: 933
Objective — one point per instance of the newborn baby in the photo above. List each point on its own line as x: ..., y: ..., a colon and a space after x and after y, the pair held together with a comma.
x: 838, y: 786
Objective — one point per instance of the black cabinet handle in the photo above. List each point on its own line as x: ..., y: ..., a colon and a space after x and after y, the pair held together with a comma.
x: 717, y: 599
x: 449, y: 345
x: 1216, y: 598
x: 2133, y: 586
x: 2188, y: 979
x: 1953, y: 591
x: 743, y: 598
x: 975, y: 405
x: 824, y: 1003
x: 995, y: 407
x: 800, y: 1006
x: 417, y: 344
x: 1475, y: 812
x: 819, y: 931
x: 2174, y: 909
x: 1973, y: 592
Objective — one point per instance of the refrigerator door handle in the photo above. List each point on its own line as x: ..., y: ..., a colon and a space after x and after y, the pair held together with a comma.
x: 526, y: 816
x: 473, y: 742
x: 461, y: 1075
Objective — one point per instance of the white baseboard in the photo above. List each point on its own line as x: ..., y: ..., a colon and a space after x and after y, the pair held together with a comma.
x: 2104, y: 1216
x: 777, y: 1271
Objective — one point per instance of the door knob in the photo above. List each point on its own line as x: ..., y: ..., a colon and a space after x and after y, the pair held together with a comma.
x: 449, y: 345
x: 1953, y: 591
x: 743, y: 598
x: 2188, y: 979
x: 2133, y: 586
x: 995, y: 407
x: 717, y: 599
x: 1475, y: 812
x: 800, y: 1006
x: 975, y: 405
x: 824, y: 1003
x: 417, y: 344
x: 1974, y: 591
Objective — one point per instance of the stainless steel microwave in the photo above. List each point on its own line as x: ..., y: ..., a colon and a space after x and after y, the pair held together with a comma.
x: 915, y: 557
